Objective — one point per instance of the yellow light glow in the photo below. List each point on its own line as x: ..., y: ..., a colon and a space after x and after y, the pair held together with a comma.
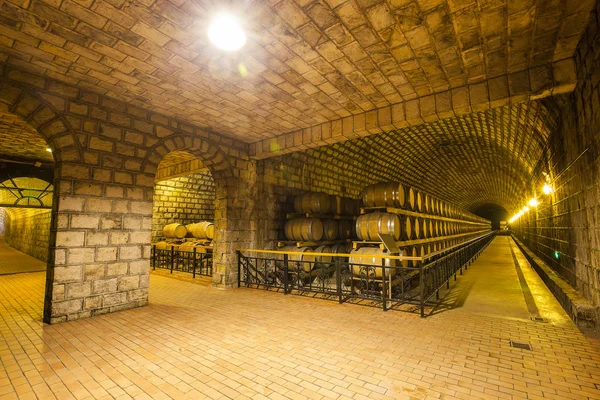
x: 547, y: 189
x: 525, y: 209
x: 242, y: 70
x: 534, y: 202
x: 48, y: 149
x: 226, y: 33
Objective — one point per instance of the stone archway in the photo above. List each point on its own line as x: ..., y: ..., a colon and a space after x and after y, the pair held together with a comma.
x: 43, y: 114
x: 234, y: 198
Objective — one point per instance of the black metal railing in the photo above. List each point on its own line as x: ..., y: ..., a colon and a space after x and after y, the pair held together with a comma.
x: 332, y: 276
x: 194, y: 262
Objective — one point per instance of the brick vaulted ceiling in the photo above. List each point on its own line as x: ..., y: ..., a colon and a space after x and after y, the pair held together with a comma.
x: 471, y: 160
x: 306, y: 62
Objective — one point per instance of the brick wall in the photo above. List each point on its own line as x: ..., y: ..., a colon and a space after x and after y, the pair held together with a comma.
x: 564, y: 231
x: 28, y: 230
x: 184, y: 200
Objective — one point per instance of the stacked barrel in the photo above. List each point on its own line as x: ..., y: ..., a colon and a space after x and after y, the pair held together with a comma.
x: 320, y: 223
x: 187, y: 237
x: 419, y: 222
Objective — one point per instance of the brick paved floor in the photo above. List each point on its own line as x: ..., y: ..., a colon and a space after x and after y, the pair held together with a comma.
x: 196, y: 342
x: 13, y: 261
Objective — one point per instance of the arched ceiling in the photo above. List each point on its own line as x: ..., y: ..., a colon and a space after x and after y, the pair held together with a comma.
x: 471, y: 160
x: 306, y: 61
x: 19, y: 141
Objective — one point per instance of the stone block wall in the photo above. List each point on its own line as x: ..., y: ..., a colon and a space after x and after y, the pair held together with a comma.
x: 564, y: 231
x: 183, y: 200
x: 107, y: 153
x: 28, y: 230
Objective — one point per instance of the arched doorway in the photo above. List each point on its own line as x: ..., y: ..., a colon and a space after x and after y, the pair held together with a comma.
x: 184, y: 196
x: 26, y: 199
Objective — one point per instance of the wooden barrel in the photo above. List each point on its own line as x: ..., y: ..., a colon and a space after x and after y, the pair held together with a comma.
x: 368, y: 226
x: 414, y: 253
x: 419, y: 201
x: 427, y: 203
x: 418, y: 234
x: 434, y: 206
x: 349, y: 206
x: 345, y: 229
x: 406, y: 251
x: 330, y: 229
x: 411, y: 200
x: 307, y: 262
x: 201, y: 230
x: 165, y: 245
x: 407, y: 228
x: 307, y: 229
x: 190, y: 246
x: 174, y: 231
x: 424, y: 229
x: 430, y: 228
x: 361, y: 266
x: 313, y: 202
x: 384, y: 194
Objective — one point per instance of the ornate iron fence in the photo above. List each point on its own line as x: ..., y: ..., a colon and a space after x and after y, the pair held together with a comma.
x: 194, y: 262
x: 332, y: 276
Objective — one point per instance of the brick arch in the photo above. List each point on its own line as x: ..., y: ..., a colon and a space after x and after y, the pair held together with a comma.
x: 43, y: 117
x: 210, y: 154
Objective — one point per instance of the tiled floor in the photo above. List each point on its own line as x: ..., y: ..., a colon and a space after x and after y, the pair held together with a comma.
x: 196, y: 342
x: 13, y: 261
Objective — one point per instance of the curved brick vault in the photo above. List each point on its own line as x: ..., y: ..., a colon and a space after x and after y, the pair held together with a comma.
x: 471, y: 160
x: 38, y: 115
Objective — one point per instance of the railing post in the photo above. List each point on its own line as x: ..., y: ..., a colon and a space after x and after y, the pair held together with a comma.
x: 422, y: 291
x: 153, y: 258
x: 383, y: 285
x: 194, y: 265
x: 338, y: 279
x: 285, y: 274
x: 239, y: 254
x: 172, y: 257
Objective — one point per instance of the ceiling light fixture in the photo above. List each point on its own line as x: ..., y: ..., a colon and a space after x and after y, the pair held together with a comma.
x: 534, y: 202
x: 226, y: 33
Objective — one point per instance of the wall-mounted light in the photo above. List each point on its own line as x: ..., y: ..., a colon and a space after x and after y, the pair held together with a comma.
x: 547, y: 189
x: 534, y: 202
x: 226, y: 33
x: 48, y: 149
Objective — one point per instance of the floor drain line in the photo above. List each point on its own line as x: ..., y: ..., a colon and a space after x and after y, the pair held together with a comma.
x: 520, y: 345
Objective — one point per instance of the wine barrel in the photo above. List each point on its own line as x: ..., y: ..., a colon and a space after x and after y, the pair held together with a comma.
x: 166, y: 246
x: 190, y: 246
x: 430, y: 228
x: 385, y: 194
x: 434, y: 206
x: 405, y: 251
x: 345, y: 229
x: 424, y: 229
x: 407, y: 228
x: 418, y: 234
x: 201, y: 230
x: 307, y: 229
x: 427, y: 203
x: 366, y: 266
x: 411, y: 201
x: 368, y: 226
x: 305, y: 262
x: 330, y: 229
x: 174, y: 231
x: 313, y: 202
x: 418, y: 201
x: 414, y: 253
x: 349, y: 206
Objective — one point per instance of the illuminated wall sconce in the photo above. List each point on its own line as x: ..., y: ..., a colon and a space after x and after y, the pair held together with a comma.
x: 547, y: 189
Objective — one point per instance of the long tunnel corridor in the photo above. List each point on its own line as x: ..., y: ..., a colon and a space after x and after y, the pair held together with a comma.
x: 289, y: 199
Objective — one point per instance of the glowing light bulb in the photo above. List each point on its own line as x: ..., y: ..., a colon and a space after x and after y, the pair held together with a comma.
x: 547, y: 189
x: 534, y: 202
x: 226, y: 33
x: 525, y: 209
x: 48, y: 149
